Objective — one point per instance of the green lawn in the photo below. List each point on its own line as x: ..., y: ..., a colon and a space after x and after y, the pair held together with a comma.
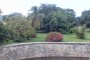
x: 40, y: 37
x: 72, y: 38
x: 67, y: 38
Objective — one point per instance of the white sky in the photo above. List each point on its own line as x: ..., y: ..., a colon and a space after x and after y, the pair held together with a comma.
x: 22, y: 6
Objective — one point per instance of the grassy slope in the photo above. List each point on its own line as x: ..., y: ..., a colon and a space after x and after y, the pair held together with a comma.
x: 67, y: 38
x: 40, y: 37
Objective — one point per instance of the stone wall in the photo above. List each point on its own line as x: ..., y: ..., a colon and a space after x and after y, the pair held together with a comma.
x: 79, y: 51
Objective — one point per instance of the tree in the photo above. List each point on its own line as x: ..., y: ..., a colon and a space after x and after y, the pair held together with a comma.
x: 52, y: 17
x: 70, y: 17
x: 34, y: 9
x: 14, y: 16
x: 86, y: 17
x: 36, y: 17
x: 58, y: 22
x: 78, y: 21
x: 47, y: 8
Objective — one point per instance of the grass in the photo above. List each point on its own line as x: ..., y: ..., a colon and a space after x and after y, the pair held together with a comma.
x: 40, y: 37
x: 67, y: 38
x: 72, y: 38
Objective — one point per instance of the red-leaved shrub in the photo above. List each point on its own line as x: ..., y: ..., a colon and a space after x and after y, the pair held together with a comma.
x: 54, y: 37
x: 33, y: 35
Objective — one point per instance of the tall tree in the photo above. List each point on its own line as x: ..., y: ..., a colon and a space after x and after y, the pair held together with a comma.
x: 52, y: 17
x: 86, y: 17
x: 36, y: 17
x: 70, y: 16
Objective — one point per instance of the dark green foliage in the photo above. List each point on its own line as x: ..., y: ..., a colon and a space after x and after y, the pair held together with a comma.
x: 59, y: 21
x: 4, y: 34
x: 53, y: 18
x: 86, y: 17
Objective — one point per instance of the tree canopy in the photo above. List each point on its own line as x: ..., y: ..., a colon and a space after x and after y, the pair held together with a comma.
x: 86, y: 17
x: 52, y: 18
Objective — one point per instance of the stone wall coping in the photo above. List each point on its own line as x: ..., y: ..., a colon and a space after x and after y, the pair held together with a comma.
x: 69, y: 43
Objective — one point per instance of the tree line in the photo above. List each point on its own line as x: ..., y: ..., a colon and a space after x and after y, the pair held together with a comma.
x: 49, y: 17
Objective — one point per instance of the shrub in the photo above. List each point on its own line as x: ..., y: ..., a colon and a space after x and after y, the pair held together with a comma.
x: 4, y: 34
x: 21, y: 30
x: 54, y: 37
x: 79, y: 31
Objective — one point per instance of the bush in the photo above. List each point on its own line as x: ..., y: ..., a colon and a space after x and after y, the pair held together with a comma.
x: 54, y: 37
x: 21, y: 30
x: 4, y: 34
x: 79, y: 31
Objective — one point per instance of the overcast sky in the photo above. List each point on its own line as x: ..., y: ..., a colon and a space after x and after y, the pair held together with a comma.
x: 22, y: 6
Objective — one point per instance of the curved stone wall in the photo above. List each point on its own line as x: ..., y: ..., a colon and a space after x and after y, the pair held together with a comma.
x: 44, y: 49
